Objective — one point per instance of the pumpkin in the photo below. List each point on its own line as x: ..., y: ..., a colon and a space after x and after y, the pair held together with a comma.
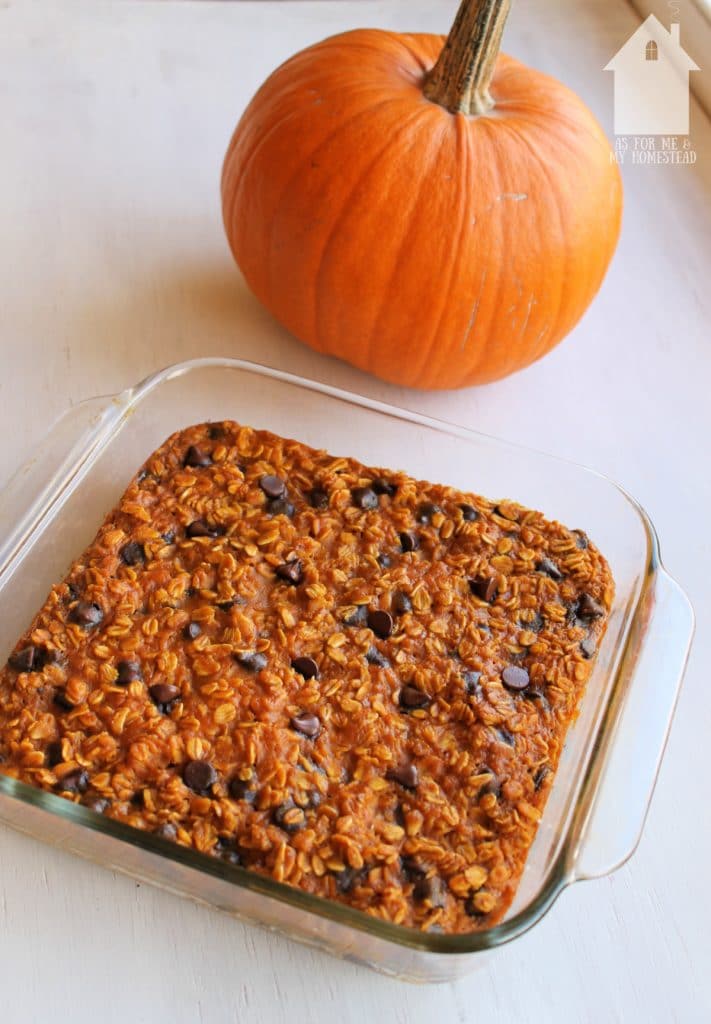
x: 437, y: 215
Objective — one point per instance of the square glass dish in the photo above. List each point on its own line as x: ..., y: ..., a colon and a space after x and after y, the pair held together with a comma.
x: 52, y: 508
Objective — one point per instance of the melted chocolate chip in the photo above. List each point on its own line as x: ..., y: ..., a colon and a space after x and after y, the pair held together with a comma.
x: 98, y: 804
x: 406, y: 775
x: 132, y: 553
x: 381, y: 486
x: 374, y: 657
x: 306, y: 667
x: 384, y: 561
x: 348, y: 878
x: 588, y: 607
x: 469, y: 513
x: 53, y: 754
x: 549, y: 568
x: 484, y: 587
x: 62, y: 701
x: 540, y: 776
x: 201, y: 528
x: 409, y: 541
x: 358, y: 617
x: 430, y: 890
x: 289, y: 817
x: 588, y: 646
x: 273, y: 486
x: 199, y: 775
x: 76, y: 781
x: 307, y: 724
x: 506, y: 737
x: 515, y: 678
x: 128, y: 672
x: 192, y: 630
x: 163, y: 694
x: 492, y: 785
x: 226, y: 606
x: 197, y: 458
x: 412, y: 698
x: 425, y: 512
x: 364, y: 497
x: 581, y: 539
x: 29, y: 659
x: 281, y: 507
x: 381, y: 622
x: 243, y: 789
x: 216, y: 431
x: 412, y: 869
x: 318, y: 498
x: 401, y: 603
x: 472, y: 683
x: 166, y: 831
x: 86, y: 613
x: 291, y: 572
x: 254, y: 661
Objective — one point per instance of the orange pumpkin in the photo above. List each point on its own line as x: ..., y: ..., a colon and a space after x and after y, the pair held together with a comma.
x: 437, y: 223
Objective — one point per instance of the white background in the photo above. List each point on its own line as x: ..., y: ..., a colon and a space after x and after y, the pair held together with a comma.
x: 113, y: 122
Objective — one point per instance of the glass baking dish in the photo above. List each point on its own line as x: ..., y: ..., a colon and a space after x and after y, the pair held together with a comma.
x: 52, y: 508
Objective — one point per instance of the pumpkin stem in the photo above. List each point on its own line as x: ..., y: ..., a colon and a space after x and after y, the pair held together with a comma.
x: 460, y: 79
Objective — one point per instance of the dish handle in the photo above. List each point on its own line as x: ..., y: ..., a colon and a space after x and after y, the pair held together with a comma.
x: 654, y: 661
x: 29, y: 497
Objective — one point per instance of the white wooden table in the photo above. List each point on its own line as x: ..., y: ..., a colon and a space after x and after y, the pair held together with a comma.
x: 113, y: 123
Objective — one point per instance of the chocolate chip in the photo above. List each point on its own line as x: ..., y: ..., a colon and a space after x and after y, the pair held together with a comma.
x: 216, y: 431
x: 374, y: 656
x: 382, y: 486
x: 280, y: 507
x: 192, y: 630
x: 306, y: 667
x: 581, y: 539
x: 163, y: 694
x: 98, y: 804
x: 540, y: 776
x: 252, y: 660
x: 348, y: 878
x: 364, y: 497
x: 201, y: 528
x: 166, y: 831
x: 168, y: 536
x: 128, y: 672
x: 426, y: 511
x: 409, y: 541
x: 196, y: 457
x: 588, y: 607
x: 469, y: 513
x: 29, y: 659
x: 243, y: 789
x: 411, y: 698
x: 86, y: 613
x: 318, y: 498
x: 545, y: 565
x: 515, y: 678
x: 230, y: 856
x: 472, y: 910
x: 412, y: 870
x: 381, y: 622
x: 588, y: 646
x: 472, y: 683
x: 273, y: 486
x: 226, y: 606
x: 291, y: 572
x: 492, y: 785
x: 53, y: 754
x: 535, y: 625
x: 76, y: 781
x: 405, y: 775
x: 484, y: 587
x: 62, y: 701
x: 430, y: 890
x: 384, y: 561
x: 199, y: 776
x: 132, y: 553
x: 401, y: 603
x: 307, y: 724
x: 358, y: 617
x: 289, y: 817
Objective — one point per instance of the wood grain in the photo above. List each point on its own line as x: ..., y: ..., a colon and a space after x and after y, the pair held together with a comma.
x: 114, y: 118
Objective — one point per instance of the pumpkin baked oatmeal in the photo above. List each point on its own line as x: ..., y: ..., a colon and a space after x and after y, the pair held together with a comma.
x: 350, y: 680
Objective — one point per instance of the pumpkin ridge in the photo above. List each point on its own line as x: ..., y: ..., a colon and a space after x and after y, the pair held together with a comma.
x: 344, y: 210
x: 428, y: 350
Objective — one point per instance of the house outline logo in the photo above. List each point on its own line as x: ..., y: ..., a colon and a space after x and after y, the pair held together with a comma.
x: 652, y: 82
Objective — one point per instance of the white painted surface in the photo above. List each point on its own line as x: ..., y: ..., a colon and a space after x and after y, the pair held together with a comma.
x: 113, y: 123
